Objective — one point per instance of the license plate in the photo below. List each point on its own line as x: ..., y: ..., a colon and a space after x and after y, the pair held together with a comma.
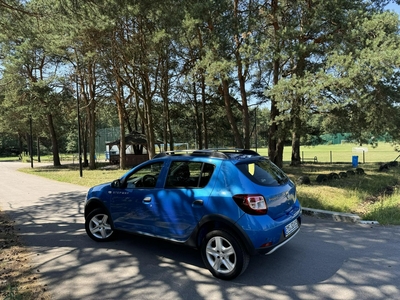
x: 291, y: 227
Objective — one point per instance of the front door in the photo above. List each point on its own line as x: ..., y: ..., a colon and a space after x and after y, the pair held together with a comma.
x: 131, y: 206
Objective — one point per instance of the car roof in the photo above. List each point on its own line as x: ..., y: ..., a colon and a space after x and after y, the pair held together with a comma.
x: 224, y: 154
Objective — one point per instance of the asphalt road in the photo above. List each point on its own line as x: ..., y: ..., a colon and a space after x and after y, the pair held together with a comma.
x: 326, y: 260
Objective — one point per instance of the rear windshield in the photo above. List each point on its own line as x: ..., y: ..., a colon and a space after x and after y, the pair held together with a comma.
x: 263, y: 172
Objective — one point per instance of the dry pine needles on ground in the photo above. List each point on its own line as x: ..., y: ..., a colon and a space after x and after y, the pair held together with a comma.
x: 17, y: 279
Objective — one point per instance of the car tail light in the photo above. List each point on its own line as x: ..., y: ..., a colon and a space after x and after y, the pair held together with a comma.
x: 251, y: 204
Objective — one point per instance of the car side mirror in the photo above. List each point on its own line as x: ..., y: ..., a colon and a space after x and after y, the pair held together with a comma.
x: 116, y: 184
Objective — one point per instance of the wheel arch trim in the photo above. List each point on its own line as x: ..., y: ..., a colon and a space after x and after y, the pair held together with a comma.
x: 220, y: 222
x: 94, y: 203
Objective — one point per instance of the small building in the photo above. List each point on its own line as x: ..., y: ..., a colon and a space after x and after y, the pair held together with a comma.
x: 136, y: 149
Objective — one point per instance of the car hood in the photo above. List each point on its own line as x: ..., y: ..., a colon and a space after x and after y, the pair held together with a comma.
x: 98, y: 189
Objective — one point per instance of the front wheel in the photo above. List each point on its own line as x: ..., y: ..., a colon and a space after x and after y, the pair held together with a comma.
x: 223, y: 255
x: 98, y: 226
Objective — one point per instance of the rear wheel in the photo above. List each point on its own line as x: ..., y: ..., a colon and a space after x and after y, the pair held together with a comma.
x: 223, y: 255
x: 98, y: 226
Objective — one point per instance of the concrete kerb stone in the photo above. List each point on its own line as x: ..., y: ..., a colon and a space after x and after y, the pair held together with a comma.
x: 336, y: 216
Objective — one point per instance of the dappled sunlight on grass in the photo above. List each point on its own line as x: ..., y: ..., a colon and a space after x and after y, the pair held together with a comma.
x: 385, y: 209
x: 327, y: 198
x: 372, y: 196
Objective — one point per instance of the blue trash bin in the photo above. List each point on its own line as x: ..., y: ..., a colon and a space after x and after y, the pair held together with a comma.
x: 354, y: 161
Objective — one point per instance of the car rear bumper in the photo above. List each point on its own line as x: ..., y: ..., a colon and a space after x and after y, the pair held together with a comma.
x: 267, y: 235
x: 272, y: 249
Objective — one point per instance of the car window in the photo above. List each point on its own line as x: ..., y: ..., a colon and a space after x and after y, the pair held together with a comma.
x: 188, y: 174
x: 206, y: 173
x: 263, y: 172
x: 145, y: 177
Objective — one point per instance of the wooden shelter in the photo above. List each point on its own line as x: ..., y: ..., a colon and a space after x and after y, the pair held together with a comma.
x: 138, y: 142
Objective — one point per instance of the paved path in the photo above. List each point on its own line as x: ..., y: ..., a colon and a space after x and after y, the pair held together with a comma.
x: 326, y: 260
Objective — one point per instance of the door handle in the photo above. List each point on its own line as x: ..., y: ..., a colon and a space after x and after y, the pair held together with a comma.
x: 197, y: 203
x: 147, y: 199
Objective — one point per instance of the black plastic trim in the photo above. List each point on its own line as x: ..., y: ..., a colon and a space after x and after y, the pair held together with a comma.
x: 96, y: 203
x: 223, y: 223
x: 217, y: 153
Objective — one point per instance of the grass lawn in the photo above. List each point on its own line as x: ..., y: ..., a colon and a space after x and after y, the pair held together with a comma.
x: 373, y: 196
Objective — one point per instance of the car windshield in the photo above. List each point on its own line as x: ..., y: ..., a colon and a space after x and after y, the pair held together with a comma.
x: 263, y: 172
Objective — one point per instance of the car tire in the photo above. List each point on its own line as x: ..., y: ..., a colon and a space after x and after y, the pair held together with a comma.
x: 304, y: 180
x: 98, y: 226
x: 223, y: 255
x: 360, y: 171
x: 333, y: 175
x: 322, y: 178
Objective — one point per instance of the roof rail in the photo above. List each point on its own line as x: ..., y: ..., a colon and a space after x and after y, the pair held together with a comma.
x: 174, y: 152
x: 211, y: 152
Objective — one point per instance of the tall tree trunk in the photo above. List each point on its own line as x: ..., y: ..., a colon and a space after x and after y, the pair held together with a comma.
x: 279, y: 152
x: 121, y: 118
x: 245, y: 107
x: 90, y: 104
x: 229, y: 113
x: 296, y: 125
x: 122, y: 142
x: 38, y: 148
x: 145, y: 113
x: 20, y: 144
x: 171, y: 135
x: 296, y: 159
x: 204, y: 113
x: 166, y: 122
x: 150, y: 129
x: 273, y: 128
x: 92, y: 138
x: 54, y: 141
x: 197, y: 118
x: 204, y: 120
x: 84, y: 135
x: 275, y: 140
x: 85, y: 120
x: 273, y: 133
x: 241, y: 75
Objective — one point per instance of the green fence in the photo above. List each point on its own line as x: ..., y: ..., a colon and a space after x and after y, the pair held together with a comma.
x: 309, y: 156
x: 344, y: 153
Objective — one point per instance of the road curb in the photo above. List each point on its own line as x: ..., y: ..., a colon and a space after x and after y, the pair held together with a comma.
x: 336, y: 216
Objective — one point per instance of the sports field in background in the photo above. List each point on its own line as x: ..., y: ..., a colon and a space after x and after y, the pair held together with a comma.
x: 342, y: 153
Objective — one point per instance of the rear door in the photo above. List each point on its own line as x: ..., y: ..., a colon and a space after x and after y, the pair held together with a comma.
x: 182, y: 202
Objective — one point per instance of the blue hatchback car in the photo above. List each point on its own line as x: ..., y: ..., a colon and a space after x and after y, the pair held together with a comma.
x: 229, y: 204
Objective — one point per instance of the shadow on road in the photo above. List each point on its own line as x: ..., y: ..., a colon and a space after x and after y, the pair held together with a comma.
x: 75, y: 267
